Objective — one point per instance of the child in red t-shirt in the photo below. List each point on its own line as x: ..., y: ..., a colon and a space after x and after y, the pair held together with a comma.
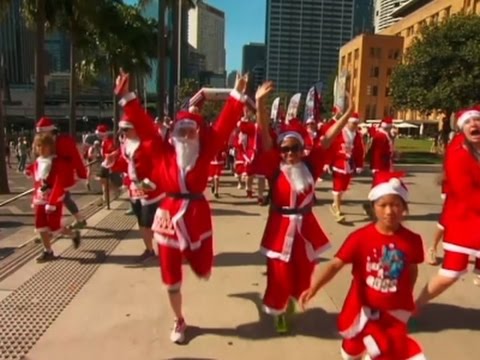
x: 384, y: 257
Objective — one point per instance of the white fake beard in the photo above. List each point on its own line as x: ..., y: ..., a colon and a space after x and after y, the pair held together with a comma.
x: 187, y: 152
x: 298, y: 175
x: 131, y: 145
x: 44, y: 165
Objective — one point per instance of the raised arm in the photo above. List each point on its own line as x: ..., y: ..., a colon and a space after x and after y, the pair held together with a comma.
x: 262, y: 116
x: 335, y: 129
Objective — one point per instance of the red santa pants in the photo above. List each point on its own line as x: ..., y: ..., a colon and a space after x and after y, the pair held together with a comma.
x: 215, y: 170
x: 171, y: 260
x: 287, y: 279
x: 340, y: 182
x: 455, y: 264
x: 48, y: 222
x: 383, y: 339
x: 239, y: 169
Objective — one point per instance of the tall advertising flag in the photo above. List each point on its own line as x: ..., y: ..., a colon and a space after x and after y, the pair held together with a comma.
x: 292, y: 110
x: 309, y: 105
x: 274, y: 111
x: 340, y: 91
x: 318, y: 104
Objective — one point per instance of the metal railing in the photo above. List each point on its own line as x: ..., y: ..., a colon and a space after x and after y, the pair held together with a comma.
x: 28, y: 192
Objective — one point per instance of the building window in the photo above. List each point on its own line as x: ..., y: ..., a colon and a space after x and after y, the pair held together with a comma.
x: 375, y: 90
x: 367, y: 112
x: 378, y: 53
x: 387, y: 91
x: 386, y: 111
x: 447, y: 12
x: 389, y: 71
x: 372, y: 52
x: 396, y: 54
x: 355, y: 73
x: 349, y: 59
x: 374, y: 71
x: 373, y: 111
x: 369, y: 90
x: 343, y: 61
x: 357, y: 54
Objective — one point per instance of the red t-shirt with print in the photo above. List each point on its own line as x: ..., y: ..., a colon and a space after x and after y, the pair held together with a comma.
x: 381, y: 264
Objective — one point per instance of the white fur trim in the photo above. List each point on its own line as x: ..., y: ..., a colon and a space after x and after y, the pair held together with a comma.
x: 451, y: 274
x: 50, y: 208
x: 127, y: 98
x: 467, y: 115
x: 290, y: 134
x: 372, y: 347
x: 238, y: 96
x: 310, y: 121
x: 420, y: 356
x: 270, y: 311
x: 347, y: 356
x: 460, y: 249
x: 174, y: 287
x: 354, y: 120
x: 125, y: 125
x: 392, y: 187
x: 185, y: 123
x: 46, y: 128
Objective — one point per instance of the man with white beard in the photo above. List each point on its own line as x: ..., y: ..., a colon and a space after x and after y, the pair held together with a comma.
x: 293, y: 239
x: 183, y: 226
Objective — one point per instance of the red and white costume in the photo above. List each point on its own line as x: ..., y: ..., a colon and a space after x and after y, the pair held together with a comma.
x: 183, y: 224
x: 66, y: 148
x: 347, y: 154
x: 381, y: 149
x: 293, y: 239
x: 50, y: 176
x: 380, y: 301
x: 462, y: 206
x: 217, y: 164
x: 245, y: 148
x: 313, y: 136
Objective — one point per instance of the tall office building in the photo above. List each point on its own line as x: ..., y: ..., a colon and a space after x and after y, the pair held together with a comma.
x: 363, y: 17
x: 57, y: 47
x: 303, y: 38
x: 253, y: 62
x: 17, y: 46
x: 206, y: 33
x: 383, y: 13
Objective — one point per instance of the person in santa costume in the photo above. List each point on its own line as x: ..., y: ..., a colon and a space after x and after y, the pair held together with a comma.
x: 215, y: 170
x: 112, y: 174
x: 313, y: 135
x: 293, y: 239
x: 347, y: 154
x: 380, y: 153
x: 135, y: 159
x: 438, y: 235
x: 182, y: 225
x: 66, y: 147
x: 384, y: 256
x: 462, y: 205
x: 51, y: 177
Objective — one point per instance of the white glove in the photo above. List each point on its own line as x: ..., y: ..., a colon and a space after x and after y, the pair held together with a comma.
x: 327, y: 169
x: 50, y: 208
x: 358, y: 170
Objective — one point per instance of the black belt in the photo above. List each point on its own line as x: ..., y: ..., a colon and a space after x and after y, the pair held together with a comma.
x: 185, y: 196
x: 293, y: 211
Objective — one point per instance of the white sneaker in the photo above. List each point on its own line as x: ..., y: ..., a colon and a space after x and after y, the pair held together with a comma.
x: 178, y: 332
x: 239, y: 187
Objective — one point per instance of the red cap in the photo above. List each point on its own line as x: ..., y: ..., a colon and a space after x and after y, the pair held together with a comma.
x: 388, y: 183
x: 294, y: 130
x: 45, y: 124
x: 466, y: 114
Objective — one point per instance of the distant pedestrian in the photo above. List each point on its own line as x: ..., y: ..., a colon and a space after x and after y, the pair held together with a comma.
x: 7, y: 156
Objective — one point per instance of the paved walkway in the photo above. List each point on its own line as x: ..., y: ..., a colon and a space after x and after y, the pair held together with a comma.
x: 122, y: 312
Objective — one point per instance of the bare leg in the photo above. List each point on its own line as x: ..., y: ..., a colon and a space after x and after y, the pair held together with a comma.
x: 249, y: 186
x: 432, y: 252
x: 216, y: 185
x: 46, y: 237
x: 337, y: 201
x: 436, y: 286
x: 175, y: 298
x: 261, y: 187
x: 147, y: 236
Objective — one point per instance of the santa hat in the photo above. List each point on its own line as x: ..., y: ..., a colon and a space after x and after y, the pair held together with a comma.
x: 293, y: 130
x: 125, y: 123
x: 388, y: 183
x: 45, y: 124
x: 102, y: 130
x: 311, y: 120
x: 187, y: 119
x: 387, y: 122
x: 354, y: 118
x: 464, y: 115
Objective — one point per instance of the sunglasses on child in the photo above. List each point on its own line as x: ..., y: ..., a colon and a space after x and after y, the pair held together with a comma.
x: 293, y: 149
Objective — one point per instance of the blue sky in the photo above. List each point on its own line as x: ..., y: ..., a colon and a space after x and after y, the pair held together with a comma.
x: 244, y: 23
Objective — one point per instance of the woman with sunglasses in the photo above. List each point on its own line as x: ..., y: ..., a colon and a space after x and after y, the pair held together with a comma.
x: 293, y: 239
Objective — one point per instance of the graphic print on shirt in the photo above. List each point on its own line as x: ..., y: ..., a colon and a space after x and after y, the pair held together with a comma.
x: 385, y: 268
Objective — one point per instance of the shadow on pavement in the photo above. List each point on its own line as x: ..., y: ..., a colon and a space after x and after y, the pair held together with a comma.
x: 439, y: 317
x: 238, y: 259
x: 230, y: 212
x: 312, y: 323
x: 423, y: 217
x: 10, y: 224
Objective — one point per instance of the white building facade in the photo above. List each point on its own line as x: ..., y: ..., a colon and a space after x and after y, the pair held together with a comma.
x: 383, y: 13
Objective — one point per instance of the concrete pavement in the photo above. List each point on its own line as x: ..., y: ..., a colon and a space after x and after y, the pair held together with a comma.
x: 122, y: 311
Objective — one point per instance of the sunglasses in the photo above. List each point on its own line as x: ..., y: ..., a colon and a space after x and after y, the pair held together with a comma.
x: 293, y: 149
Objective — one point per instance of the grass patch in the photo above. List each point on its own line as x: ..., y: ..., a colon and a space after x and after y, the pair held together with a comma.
x: 416, y: 151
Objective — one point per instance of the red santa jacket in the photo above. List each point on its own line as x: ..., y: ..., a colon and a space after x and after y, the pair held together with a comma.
x: 381, y: 152
x: 50, y: 178
x: 183, y: 219
x: 347, y: 152
x: 66, y: 148
x: 324, y: 128
x: 462, y: 169
x: 246, y: 143
x: 283, y: 228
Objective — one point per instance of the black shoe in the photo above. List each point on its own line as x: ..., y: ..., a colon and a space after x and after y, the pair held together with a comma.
x: 77, y: 239
x: 147, y: 254
x: 216, y: 195
x: 46, y: 256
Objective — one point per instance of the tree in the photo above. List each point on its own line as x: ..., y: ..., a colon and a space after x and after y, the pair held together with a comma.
x: 440, y: 71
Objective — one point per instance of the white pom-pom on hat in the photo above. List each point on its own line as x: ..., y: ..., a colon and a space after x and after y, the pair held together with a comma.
x: 387, y: 183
